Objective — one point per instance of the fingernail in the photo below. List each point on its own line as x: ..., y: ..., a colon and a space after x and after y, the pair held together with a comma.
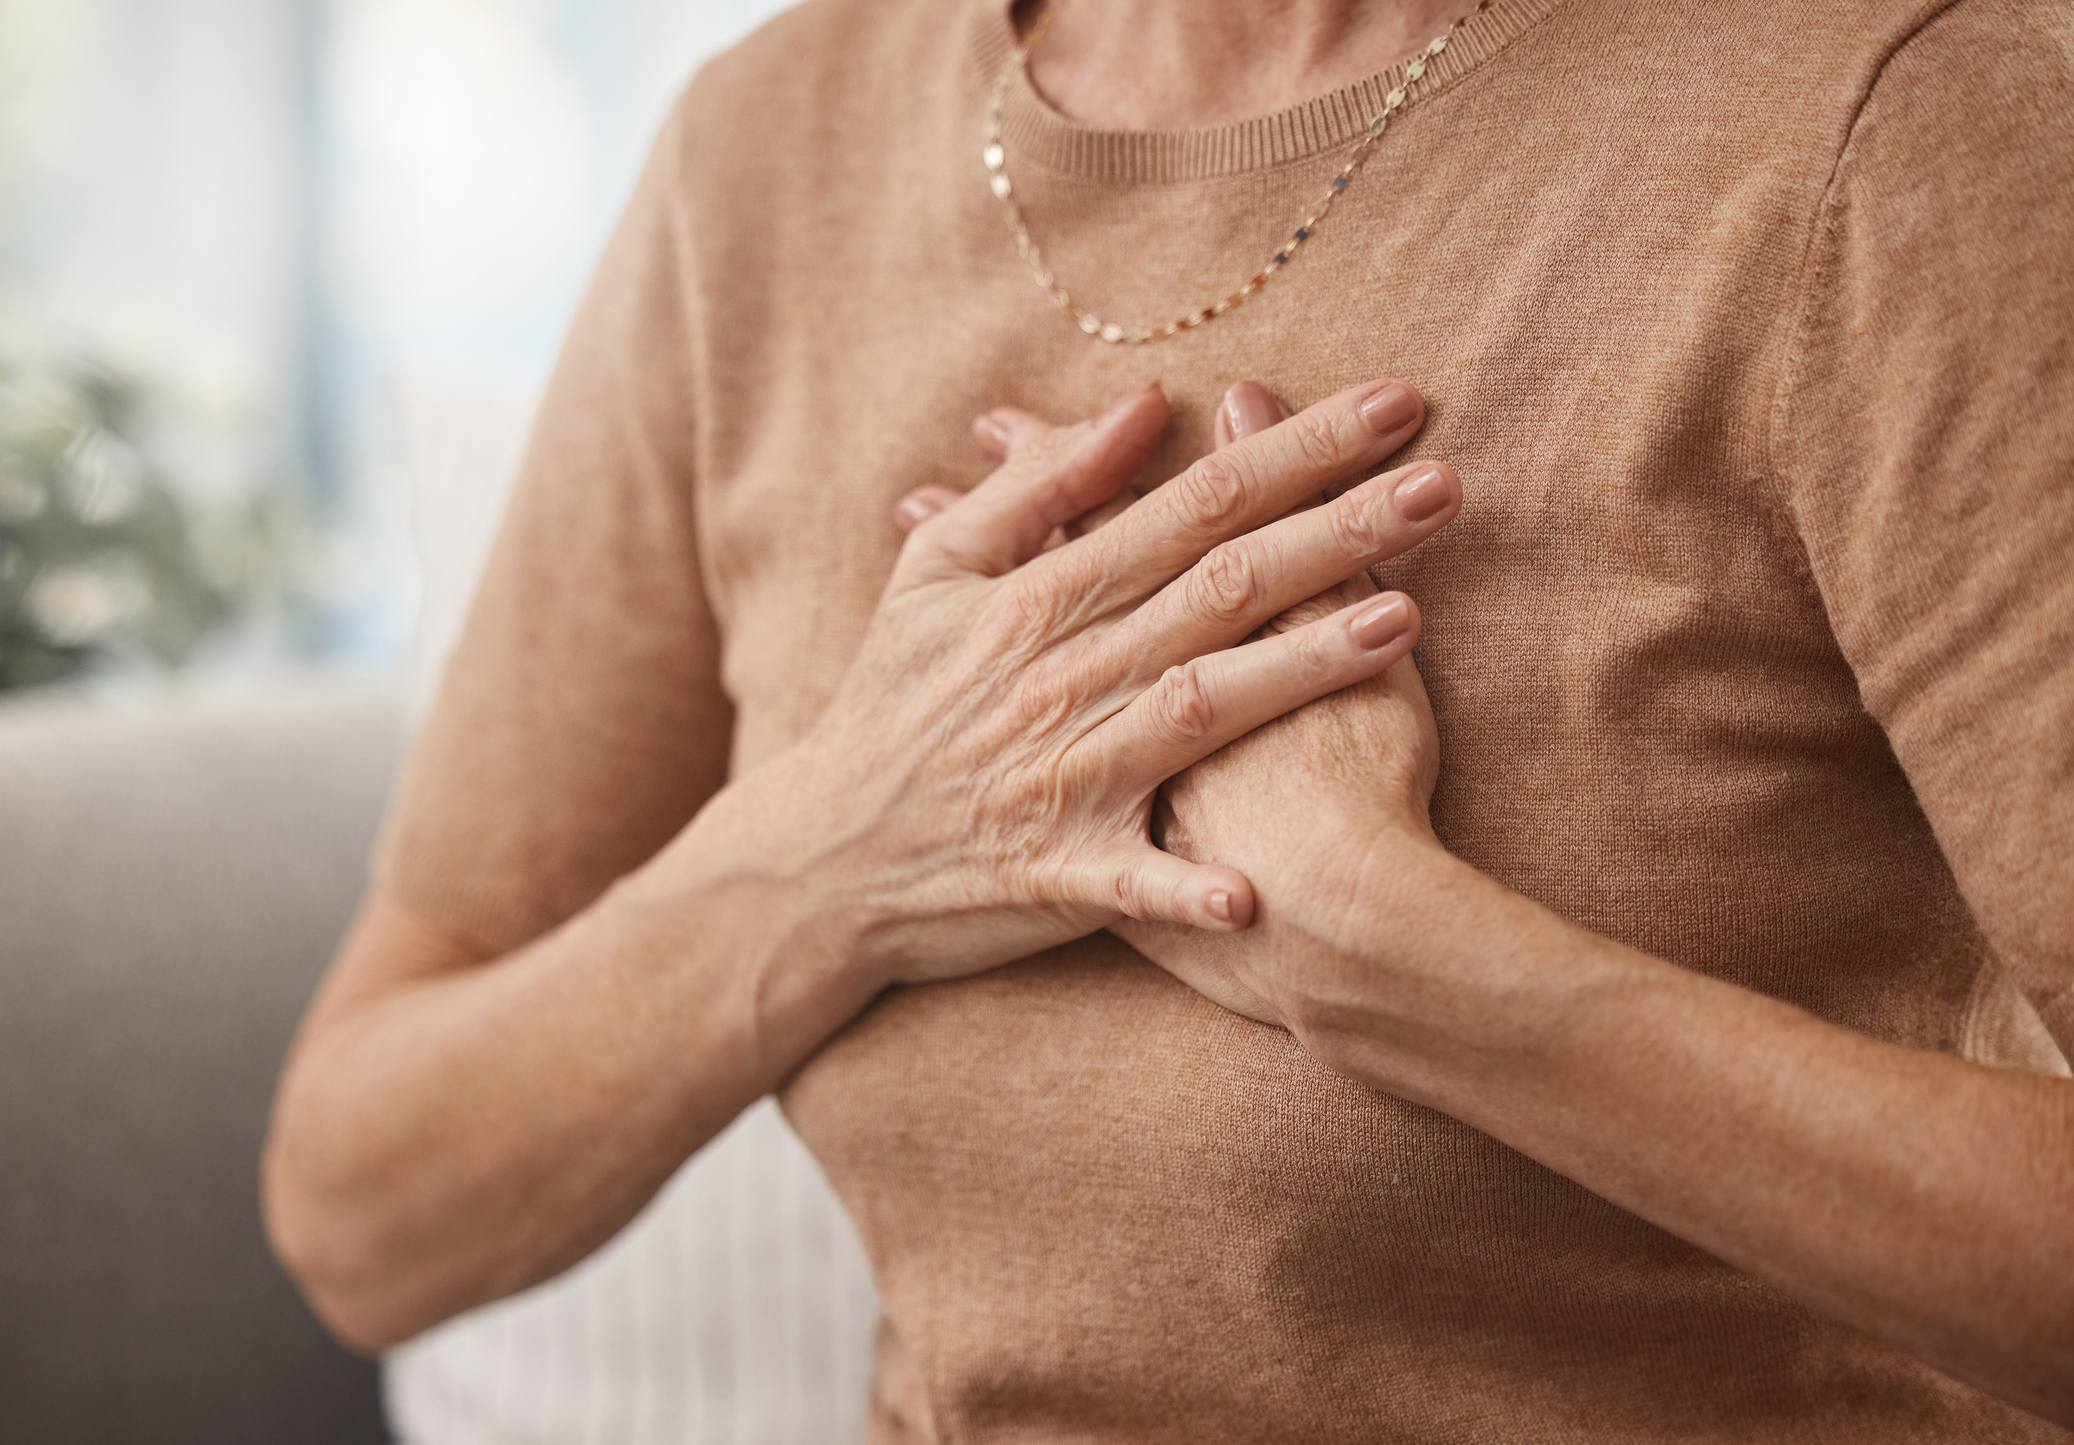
x: 1380, y: 623
x: 993, y: 430
x: 1218, y: 905
x: 1248, y: 409
x: 1390, y: 407
x: 916, y: 510
x: 1422, y: 494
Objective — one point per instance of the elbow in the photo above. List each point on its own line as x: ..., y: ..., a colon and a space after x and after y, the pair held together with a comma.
x: 356, y: 1323
x: 332, y: 1260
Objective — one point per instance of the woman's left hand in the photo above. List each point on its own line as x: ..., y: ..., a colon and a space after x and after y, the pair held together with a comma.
x: 1314, y: 808
x: 1315, y: 804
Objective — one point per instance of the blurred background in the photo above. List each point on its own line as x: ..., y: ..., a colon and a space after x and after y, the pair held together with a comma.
x: 237, y: 237
x: 279, y: 281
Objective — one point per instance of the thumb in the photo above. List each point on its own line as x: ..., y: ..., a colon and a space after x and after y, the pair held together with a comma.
x: 1006, y: 520
x: 1157, y: 887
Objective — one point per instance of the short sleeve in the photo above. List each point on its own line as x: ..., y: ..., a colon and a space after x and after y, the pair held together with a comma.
x: 1924, y: 449
x: 580, y: 721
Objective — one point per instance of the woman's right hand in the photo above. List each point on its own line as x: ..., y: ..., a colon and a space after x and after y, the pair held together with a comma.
x: 981, y: 785
x: 451, y: 1127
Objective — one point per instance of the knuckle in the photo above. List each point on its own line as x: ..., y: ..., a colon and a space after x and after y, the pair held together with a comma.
x: 1182, y: 704
x: 1314, y: 661
x: 1212, y: 493
x: 1033, y: 708
x: 1356, y: 529
x: 1225, y: 586
x: 1128, y: 891
x: 1316, y: 440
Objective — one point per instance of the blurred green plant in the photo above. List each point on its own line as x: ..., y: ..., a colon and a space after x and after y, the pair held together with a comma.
x: 102, y: 560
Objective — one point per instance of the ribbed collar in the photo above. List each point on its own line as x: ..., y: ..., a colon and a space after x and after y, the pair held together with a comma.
x: 1037, y: 134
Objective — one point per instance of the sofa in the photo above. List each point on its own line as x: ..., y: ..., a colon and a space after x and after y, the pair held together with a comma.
x: 175, y: 870
x: 177, y: 864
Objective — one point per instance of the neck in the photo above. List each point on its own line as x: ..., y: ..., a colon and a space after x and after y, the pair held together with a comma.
x: 1175, y: 64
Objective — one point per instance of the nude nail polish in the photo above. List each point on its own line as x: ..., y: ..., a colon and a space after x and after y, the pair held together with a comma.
x: 1380, y: 623
x: 1248, y: 410
x: 914, y: 511
x: 1423, y: 494
x: 1390, y: 407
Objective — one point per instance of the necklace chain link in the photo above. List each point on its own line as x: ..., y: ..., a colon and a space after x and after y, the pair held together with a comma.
x: 995, y: 158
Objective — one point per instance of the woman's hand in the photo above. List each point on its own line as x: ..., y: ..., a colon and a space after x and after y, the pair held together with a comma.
x: 981, y: 786
x: 1362, y: 761
x: 451, y: 1127
x: 1311, y: 806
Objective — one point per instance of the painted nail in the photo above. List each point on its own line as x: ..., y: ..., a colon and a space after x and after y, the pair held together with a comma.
x: 1422, y: 494
x: 1380, y: 623
x: 993, y: 430
x: 1218, y: 905
x: 916, y: 510
x: 1249, y: 409
x: 1390, y: 407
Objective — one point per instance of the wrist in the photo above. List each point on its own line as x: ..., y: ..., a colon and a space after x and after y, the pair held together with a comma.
x: 752, y: 884
x: 1451, y: 985
x: 1356, y: 930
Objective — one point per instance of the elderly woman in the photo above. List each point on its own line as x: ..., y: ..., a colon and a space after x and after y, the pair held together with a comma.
x: 1687, y: 1064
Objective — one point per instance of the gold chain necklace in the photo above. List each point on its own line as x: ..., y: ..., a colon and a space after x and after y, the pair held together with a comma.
x: 997, y: 160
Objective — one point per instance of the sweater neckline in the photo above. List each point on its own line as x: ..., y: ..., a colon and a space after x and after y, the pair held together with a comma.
x: 1039, y: 135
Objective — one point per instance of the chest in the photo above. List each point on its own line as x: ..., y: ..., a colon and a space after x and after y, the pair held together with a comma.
x: 1638, y: 694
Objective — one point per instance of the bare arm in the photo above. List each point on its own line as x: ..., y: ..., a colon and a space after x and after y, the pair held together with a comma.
x: 450, y: 1129
x: 448, y: 1132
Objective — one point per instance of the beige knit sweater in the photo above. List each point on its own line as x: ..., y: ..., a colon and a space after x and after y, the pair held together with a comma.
x: 1747, y: 324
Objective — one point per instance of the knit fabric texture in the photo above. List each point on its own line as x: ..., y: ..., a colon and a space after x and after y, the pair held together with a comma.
x: 1746, y: 323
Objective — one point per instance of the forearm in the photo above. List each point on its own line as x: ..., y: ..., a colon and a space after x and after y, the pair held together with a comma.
x: 1913, y: 1195
x: 446, y: 1138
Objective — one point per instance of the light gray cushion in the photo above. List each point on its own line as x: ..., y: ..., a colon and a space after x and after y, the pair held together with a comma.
x: 173, y: 878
